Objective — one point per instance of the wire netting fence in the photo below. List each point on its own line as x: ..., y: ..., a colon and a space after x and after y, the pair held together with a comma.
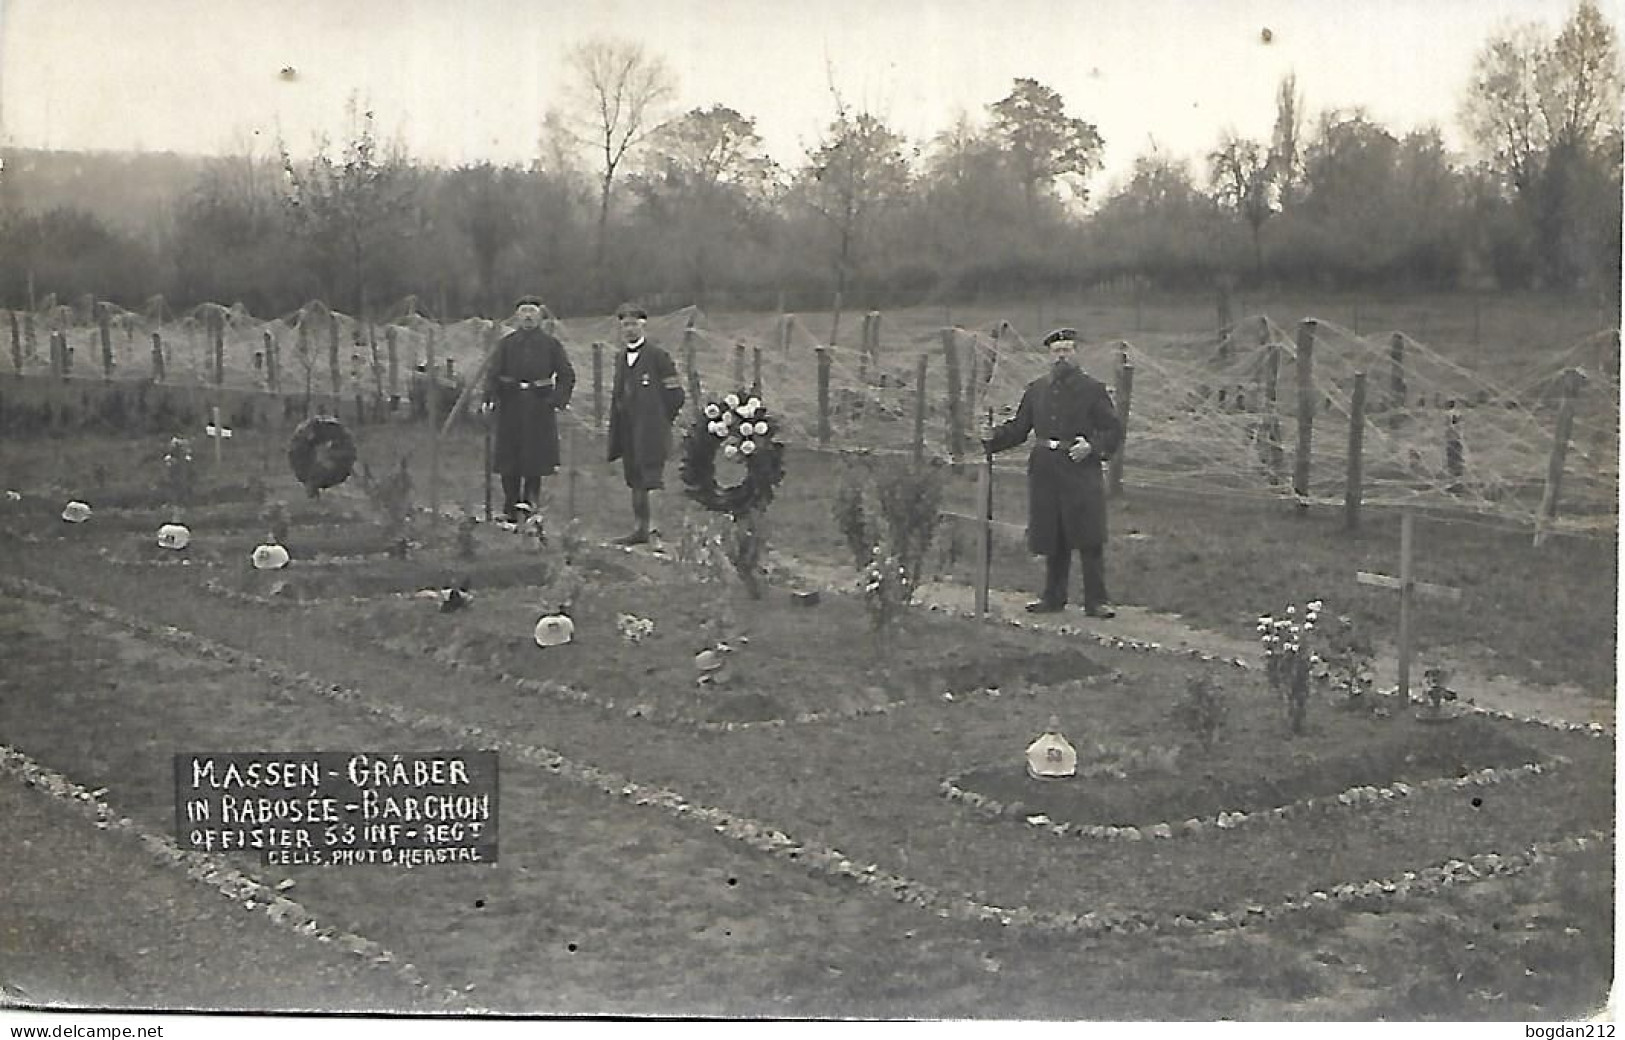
x: 1220, y: 412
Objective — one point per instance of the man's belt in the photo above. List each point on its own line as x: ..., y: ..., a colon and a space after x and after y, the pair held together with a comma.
x: 531, y: 384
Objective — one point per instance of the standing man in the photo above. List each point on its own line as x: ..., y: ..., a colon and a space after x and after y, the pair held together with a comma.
x: 1077, y: 429
x: 527, y: 382
x: 644, y: 399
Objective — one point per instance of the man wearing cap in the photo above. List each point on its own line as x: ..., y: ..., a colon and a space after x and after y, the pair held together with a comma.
x: 644, y: 400
x: 1077, y: 429
x: 528, y: 380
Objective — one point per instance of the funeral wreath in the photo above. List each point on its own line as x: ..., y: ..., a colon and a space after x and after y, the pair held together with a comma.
x: 738, y: 427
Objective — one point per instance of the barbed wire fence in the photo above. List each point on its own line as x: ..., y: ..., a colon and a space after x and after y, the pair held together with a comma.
x: 1314, y: 415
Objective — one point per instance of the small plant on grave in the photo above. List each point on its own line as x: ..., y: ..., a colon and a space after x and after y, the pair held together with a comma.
x: 1343, y: 662
x: 1203, y: 711
x: 177, y: 482
x: 535, y: 529
x: 467, y: 546
x: 702, y: 551
x: 1288, y: 658
x: 899, y: 503
x: 1436, y: 689
x: 277, y: 522
x: 391, y: 499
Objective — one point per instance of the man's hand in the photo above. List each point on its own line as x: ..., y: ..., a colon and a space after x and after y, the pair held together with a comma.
x: 487, y: 407
x: 1080, y: 449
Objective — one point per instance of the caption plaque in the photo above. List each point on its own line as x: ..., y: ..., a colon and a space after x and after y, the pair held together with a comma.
x: 340, y: 808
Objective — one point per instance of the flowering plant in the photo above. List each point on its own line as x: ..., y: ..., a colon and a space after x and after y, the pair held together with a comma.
x: 634, y: 629
x: 179, y: 479
x: 886, y: 588
x: 1289, y: 659
x: 1344, y: 662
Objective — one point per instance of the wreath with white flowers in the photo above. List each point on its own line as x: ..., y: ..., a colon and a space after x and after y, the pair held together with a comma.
x: 738, y: 427
x: 322, y: 453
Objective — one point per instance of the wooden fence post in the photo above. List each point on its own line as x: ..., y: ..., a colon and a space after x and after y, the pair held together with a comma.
x: 1274, y: 457
x: 1125, y: 398
x: 597, y: 386
x: 1306, y: 410
x: 217, y: 337
x: 333, y: 353
x: 1353, y: 490
x: 863, y: 349
x: 785, y: 321
x: 956, y: 416
x: 921, y: 369
x: 1560, y: 451
x: 432, y: 397
x: 392, y: 345
x: 30, y: 337
x: 691, y: 339
x: 157, y: 357
x: 739, y: 365
x: 104, y: 331
x: 273, y: 362
x: 16, y: 343
x: 756, y: 370
x: 1396, y: 379
x: 823, y: 395
x: 1454, y: 456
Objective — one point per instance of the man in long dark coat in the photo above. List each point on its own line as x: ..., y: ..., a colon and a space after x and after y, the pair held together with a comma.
x: 1077, y: 429
x: 528, y: 381
x: 644, y: 400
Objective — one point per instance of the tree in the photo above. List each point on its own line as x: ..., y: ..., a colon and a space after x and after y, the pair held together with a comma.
x: 706, y: 177
x: 1541, y: 113
x: 1240, y: 175
x: 619, y: 91
x: 1043, y: 142
x: 348, y: 209
x: 1286, y: 143
x: 859, y: 167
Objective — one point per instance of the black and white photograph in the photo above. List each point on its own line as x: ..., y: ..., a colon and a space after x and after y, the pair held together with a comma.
x: 704, y: 512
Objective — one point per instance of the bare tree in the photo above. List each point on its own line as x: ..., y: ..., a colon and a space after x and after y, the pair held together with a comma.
x: 619, y: 94
x: 1541, y: 113
x: 859, y: 166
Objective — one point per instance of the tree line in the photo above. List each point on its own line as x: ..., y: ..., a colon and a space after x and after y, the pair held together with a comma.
x: 628, y: 197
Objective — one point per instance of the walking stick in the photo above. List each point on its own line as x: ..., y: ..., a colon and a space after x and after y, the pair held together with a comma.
x: 570, y: 470
x: 486, y: 424
x: 984, y: 566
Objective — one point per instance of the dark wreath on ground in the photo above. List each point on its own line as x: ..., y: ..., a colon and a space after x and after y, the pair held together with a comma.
x: 736, y: 427
x: 322, y: 453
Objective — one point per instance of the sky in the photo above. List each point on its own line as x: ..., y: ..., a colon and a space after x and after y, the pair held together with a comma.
x: 470, y: 80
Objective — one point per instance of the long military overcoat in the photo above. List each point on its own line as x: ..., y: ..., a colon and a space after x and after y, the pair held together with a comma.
x: 1063, y: 495
x: 644, y: 399
x: 529, y: 380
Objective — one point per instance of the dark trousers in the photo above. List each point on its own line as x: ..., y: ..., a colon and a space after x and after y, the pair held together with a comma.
x: 517, y: 489
x: 1058, y: 570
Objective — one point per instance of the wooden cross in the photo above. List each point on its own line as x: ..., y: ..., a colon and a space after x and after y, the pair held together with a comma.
x: 215, y: 431
x: 1408, y: 586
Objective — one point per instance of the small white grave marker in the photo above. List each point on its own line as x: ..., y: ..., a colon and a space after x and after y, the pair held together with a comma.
x: 1051, y: 756
x: 174, y: 536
